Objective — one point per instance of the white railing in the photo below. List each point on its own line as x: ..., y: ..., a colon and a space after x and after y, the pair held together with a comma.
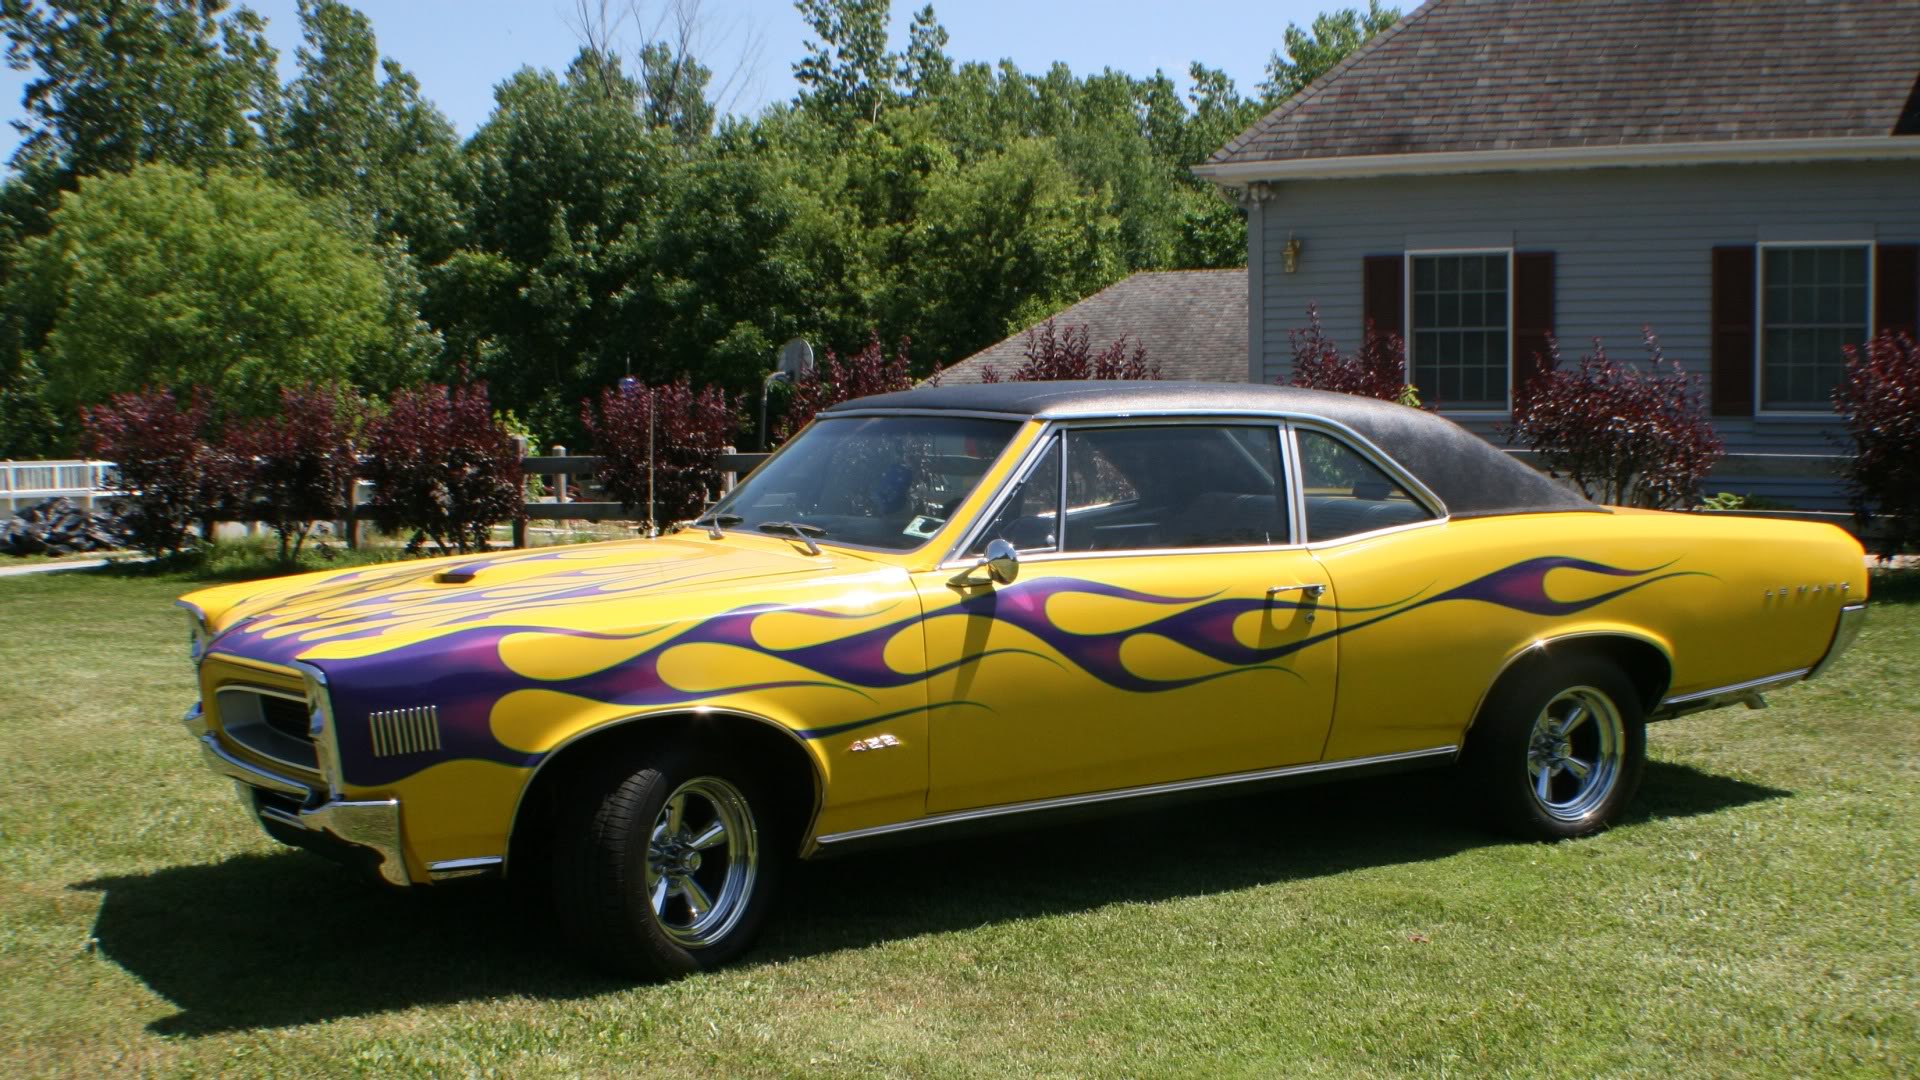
x: 25, y: 482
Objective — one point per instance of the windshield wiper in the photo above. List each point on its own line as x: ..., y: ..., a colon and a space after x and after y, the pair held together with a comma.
x: 714, y: 521
x: 805, y: 533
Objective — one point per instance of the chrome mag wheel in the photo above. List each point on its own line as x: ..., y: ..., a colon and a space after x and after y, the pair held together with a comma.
x: 702, y: 859
x: 1574, y: 753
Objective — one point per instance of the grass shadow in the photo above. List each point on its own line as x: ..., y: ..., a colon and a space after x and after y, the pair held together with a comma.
x: 271, y: 940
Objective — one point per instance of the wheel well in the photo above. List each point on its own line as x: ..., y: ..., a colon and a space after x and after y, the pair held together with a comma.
x: 779, y: 757
x: 1644, y: 663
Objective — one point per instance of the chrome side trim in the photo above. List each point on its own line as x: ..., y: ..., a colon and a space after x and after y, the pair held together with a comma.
x: 1095, y: 798
x: 227, y: 765
x: 553, y: 752
x: 449, y: 869
x: 1731, y: 694
x: 1852, y: 618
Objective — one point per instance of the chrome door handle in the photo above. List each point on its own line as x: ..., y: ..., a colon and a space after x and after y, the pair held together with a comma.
x: 1308, y: 592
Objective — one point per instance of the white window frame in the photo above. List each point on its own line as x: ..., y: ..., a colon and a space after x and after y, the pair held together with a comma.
x: 1760, y: 409
x: 1406, y: 321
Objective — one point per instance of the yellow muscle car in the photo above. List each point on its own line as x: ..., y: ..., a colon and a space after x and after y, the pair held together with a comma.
x: 987, y: 604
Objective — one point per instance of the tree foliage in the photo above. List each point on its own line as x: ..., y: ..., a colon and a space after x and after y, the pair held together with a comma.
x: 171, y: 477
x: 1312, y: 52
x: 1067, y: 353
x: 869, y: 371
x: 297, y: 467
x: 443, y: 467
x: 1377, y: 370
x: 220, y: 280
x: 1880, y: 398
x: 660, y: 442
x: 1623, y: 435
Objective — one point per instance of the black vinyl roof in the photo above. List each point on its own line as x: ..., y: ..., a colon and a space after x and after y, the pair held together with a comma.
x: 1473, y: 478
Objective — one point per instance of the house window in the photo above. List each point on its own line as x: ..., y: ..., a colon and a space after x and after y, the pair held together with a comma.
x: 1813, y: 303
x: 1461, y: 329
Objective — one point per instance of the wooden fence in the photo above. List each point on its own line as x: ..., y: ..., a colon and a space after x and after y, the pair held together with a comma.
x: 564, y: 468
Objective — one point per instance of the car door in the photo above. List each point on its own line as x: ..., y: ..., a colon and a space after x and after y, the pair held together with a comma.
x: 1163, y: 625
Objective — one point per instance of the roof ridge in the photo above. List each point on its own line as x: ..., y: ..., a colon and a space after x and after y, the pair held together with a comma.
x: 1319, y: 86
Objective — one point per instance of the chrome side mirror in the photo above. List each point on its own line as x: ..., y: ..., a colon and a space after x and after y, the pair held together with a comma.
x: 1001, y: 562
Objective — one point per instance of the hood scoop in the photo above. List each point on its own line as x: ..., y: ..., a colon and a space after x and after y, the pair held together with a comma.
x: 459, y: 575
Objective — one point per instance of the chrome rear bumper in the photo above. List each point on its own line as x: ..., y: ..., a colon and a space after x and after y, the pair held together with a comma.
x: 1852, y: 618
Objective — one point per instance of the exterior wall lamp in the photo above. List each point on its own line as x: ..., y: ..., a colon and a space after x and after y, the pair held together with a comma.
x: 1290, y: 254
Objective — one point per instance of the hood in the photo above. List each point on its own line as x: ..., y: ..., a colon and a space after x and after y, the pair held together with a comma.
x: 609, y: 587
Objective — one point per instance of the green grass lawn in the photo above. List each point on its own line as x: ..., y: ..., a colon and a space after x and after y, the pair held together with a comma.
x: 1758, y: 915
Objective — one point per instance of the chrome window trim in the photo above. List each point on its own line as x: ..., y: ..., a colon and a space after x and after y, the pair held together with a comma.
x: 976, y: 414
x: 1289, y: 423
x: 1119, y: 794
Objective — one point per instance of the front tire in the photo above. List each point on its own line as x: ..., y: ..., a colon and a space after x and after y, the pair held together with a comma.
x: 1559, y: 749
x: 667, y: 869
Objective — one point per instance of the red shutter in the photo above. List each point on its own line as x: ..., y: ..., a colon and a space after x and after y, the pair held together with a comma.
x: 1532, y: 315
x: 1384, y: 285
x: 1733, y: 330
x: 1896, y: 289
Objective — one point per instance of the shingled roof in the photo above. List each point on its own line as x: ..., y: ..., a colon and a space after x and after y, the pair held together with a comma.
x: 1193, y: 323
x: 1491, y: 75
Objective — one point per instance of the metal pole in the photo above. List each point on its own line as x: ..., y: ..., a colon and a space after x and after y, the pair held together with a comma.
x: 653, y: 523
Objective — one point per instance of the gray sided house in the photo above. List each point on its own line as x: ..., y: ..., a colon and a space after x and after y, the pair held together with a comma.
x: 1742, y: 176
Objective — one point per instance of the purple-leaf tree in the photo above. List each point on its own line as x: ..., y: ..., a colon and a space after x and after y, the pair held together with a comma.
x: 689, y: 429
x: 869, y: 371
x: 170, y: 476
x: 1378, y: 370
x: 298, y: 467
x: 1627, y: 436
x: 1880, y: 398
x: 1054, y: 352
x: 443, y: 467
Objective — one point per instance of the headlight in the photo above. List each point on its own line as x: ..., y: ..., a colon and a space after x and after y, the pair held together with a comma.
x: 197, y: 635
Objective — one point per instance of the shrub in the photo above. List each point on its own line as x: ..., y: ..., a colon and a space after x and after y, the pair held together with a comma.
x: 1626, y: 437
x: 868, y: 371
x: 170, y: 477
x: 689, y: 427
x: 1378, y: 370
x: 1067, y: 353
x: 442, y: 467
x: 298, y: 467
x: 1880, y: 398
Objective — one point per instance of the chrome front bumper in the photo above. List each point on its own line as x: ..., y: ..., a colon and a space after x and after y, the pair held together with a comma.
x: 293, y: 812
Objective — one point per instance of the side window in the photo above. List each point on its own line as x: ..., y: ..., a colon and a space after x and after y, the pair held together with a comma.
x: 1174, y: 486
x: 1029, y: 519
x: 1346, y: 494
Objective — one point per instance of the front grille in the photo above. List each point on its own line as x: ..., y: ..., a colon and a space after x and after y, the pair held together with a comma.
x: 271, y: 723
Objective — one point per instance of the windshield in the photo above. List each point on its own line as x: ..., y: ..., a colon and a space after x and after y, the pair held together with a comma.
x: 886, y: 482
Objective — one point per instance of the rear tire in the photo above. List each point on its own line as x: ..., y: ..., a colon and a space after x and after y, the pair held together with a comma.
x: 669, y: 868
x: 1558, y: 749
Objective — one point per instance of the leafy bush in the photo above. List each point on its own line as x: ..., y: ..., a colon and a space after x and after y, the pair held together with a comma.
x: 689, y: 427
x: 1880, y: 397
x: 1378, y: 370
x: 298, y: 467
x: 443, y: 467
x: 1729, y: 500
x: 1052, y: 353
x: 170, y: 476
x: 868, y: 371
x: 1625, y: 436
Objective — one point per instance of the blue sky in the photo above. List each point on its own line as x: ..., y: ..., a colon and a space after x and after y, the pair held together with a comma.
x: 460, y: 49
